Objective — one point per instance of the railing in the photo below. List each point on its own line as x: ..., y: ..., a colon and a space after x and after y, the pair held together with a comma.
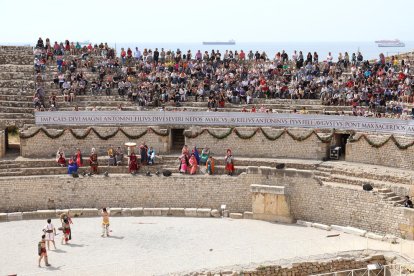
x: 373, y: 270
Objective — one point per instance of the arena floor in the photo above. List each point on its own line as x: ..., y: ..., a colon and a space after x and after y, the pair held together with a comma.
x: 162, y: 245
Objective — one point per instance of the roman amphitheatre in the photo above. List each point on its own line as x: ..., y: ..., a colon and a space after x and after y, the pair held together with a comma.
x: 316, y: 189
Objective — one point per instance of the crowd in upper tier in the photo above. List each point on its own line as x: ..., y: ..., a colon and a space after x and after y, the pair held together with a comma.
x: 156, y: 77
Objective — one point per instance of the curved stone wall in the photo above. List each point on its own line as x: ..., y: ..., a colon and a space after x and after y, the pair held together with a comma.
x: 308, y: 199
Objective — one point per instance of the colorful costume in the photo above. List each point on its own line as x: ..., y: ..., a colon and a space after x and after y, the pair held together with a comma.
x: 204, y: 155
x: 193, y: 164
x: 72, y: 166
x: 133, y: 164
x: 105, y: 223
x: 210, y: 166
x: 93, y: 161
x: 196, y: 155
x: 66, y: 221
x: 143, y: 149
x: 79, y: 160
x: 229, y: 160
x: 183, y: 163
x: 60, y: 157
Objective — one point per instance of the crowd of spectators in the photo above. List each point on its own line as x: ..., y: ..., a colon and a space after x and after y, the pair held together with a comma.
x: 159, y: 77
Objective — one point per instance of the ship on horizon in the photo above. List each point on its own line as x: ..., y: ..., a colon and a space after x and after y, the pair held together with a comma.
x: 230, y: 42
x: 390, y: 43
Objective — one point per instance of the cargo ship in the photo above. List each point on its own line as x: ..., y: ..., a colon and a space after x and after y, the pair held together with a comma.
x: 230, y: 42
x: 390, y: 43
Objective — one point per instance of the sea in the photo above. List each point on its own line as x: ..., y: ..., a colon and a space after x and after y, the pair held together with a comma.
x: 369, y: 49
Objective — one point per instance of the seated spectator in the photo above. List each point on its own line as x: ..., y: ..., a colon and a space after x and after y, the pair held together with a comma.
x: 111, y: 156
x: 72, y: 166
x: 408, y: 203
x: 119, y: 156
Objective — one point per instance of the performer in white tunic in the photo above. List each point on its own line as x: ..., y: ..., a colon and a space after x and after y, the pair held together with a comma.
x: 50, y: 232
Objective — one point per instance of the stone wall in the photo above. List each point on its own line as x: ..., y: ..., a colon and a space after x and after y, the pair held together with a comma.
x: 388, y: 155
x: 260, y: 146
x: 312, y: 267
x: 60, y: 192
x: 307, y: 199
x: 43, y: 146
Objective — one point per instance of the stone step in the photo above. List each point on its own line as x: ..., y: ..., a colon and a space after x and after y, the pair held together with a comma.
x: 394, y: 198
x: 388, y: 194
x: 384, y: 190
x: 16, y: 173
x: 364, y: 174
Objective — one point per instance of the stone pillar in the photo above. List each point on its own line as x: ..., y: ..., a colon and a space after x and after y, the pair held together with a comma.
x: 2, y: 143
x: 270, y: 203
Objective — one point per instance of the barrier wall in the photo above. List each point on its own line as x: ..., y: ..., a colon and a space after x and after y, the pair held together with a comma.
x: 381, y: 150
x: 307, y: 199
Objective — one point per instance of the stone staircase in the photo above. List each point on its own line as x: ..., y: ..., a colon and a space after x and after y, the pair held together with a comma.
x: 16, y: 84
x: 390, y: 187
x: 20, y: 166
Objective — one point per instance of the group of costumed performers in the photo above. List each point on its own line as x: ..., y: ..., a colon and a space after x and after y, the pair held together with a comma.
x: 189, y: 163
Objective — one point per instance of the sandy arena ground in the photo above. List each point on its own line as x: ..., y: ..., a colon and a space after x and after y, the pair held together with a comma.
x: 162, y: 245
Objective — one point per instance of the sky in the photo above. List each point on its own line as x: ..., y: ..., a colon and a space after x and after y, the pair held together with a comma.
x: 186, y: 21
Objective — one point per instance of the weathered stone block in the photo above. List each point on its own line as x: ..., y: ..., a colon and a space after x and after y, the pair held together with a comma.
x: 203, y: 212
x: 115, y: 212
x: 45, y: 214
x: 236, y: 215
x: 31, y: 215
x: 338, y: 228
x: 355, y: 231
x: 165, y: 211
x: 3, y: 217
x: 126, y: 212
x: 304, y: 223
x: 90, y: 212
x: 177, y: 212
x: 390, y: 238
x: 248, y: 215
x: 190, y: 212
x: 215, y: 213
x: 374, y: 236
x: 152, y: 211
x: 15, y: 216
x: 137, y: 212
x: 321, y: 226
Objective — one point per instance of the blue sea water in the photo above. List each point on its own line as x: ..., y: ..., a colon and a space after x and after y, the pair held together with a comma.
x: 370, y: 50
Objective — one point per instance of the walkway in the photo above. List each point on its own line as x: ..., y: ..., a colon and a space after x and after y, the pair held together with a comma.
x: 160, y: 245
